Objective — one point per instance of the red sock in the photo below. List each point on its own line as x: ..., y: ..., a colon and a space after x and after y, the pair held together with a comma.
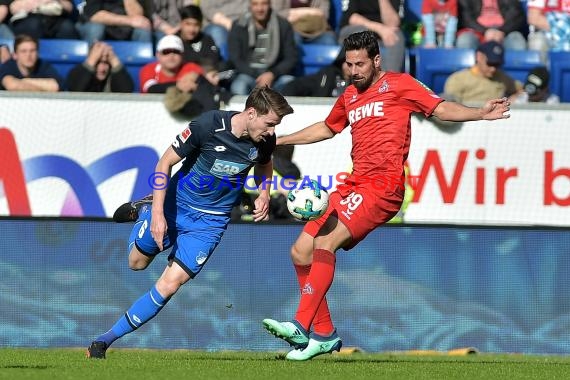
x: 322, y: 323
x: 315, y: 288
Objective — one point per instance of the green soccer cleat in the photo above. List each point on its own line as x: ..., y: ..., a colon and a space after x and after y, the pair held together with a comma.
x: 291, y: 332
x: 318, y: 345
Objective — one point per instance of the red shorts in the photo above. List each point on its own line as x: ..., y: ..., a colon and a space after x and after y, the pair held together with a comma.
x: 360, y: 208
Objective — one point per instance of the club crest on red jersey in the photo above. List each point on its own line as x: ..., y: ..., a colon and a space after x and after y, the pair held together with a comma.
x: 383, y: 87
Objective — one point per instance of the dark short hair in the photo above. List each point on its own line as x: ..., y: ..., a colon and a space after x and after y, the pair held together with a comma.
x: 264, y: 99
x: 363, y: 40
x: 191, y: 11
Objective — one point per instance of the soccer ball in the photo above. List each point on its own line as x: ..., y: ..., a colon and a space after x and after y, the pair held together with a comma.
x: 308, y: 202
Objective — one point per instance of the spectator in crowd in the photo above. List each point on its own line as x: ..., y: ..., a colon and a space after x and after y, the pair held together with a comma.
x: 26, y: 72
x: 102, y: 71
x: 198, y: 47
x: 309, y: 20
x: 330, y: 81
x: 189, y: 90
x: 439, y: 18
x: 549, y: 24
x: 120, y: 20
x: 498, y: 20
x: 5, y: 31
x: 262, y: 49
x: 43, y: 19
x: 166, y: 16
x: 484, y: 80
x: 382, y: 18
x: 169, y: 67
x: 219, y: 18
x: 536, y: 89
x: 5, y: 54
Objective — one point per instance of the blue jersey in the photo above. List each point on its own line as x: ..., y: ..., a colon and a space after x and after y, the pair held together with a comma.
x: 216, y: 163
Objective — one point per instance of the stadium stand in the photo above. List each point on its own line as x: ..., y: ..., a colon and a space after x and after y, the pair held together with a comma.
x: 63, y: 54
x: 134, y: 56
x: 560, y: 74
x: 433, y: 66
x: 519, y: 62
x: 315, y: 56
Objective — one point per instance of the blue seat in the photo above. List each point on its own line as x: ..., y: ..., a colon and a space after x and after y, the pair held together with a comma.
x: 560, y: 74
x: 133, y: 52
x: 335, y: 14
x: 63, y: 54
x: 519, y: 62
x: 316, y: 56
x: 134, y: 55
x: 433, y: 66
x: 413, y: 11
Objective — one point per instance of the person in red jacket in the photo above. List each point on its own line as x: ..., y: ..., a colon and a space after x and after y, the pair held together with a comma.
x: 156, y: 77
x: 188, y: 89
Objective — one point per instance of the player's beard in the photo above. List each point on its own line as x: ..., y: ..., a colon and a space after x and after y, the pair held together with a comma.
x: 362, y: 85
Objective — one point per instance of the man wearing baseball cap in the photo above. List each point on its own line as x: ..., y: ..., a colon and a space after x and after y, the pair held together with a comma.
x: 169, y: 68
x: 484, y: 80
x: 536, y: 88
x: 186, y: 87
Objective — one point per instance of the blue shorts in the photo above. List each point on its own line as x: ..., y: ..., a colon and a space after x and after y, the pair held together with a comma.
x: 193, y: 235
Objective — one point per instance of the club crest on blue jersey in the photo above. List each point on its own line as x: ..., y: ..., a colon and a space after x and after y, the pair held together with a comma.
x: 252, y: 154
x: 201, y: 257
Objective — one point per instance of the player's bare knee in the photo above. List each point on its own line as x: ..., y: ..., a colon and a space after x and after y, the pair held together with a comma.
x: 138, y: 261
x: 326, y: 243
x: 137, y: 265
x: 168, y: 289
x: 300, y: 256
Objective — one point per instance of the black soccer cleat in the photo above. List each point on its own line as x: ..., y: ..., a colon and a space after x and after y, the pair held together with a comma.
x: 129, y: 212
x: 96, y: 350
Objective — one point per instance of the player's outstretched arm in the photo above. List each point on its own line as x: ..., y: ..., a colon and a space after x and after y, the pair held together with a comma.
x: 492, y: 110
x: 311, y: 134
x: 161, y: 178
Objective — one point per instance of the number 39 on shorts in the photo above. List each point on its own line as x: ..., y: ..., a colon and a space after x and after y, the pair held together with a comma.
x: 352, y: 202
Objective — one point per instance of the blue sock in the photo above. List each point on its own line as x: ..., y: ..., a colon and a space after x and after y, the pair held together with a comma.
x: 143, y: 310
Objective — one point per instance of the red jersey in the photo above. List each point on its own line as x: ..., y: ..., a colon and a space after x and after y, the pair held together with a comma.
x: 380, y: 121
x: 151, y: 74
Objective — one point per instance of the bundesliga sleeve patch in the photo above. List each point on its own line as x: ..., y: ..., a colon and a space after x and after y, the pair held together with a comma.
x: 185, y: 134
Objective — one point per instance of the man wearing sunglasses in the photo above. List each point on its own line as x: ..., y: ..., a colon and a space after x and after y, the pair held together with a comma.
x: 484, y: 80
x: 188, y: 89
x: 169, y: 68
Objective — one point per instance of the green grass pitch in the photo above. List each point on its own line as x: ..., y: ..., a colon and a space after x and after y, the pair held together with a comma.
x: 56, y: 364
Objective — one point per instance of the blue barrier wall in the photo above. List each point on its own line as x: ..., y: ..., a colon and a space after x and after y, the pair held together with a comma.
x: 496, y: 289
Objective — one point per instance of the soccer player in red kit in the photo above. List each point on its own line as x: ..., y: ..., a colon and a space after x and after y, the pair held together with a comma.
x: 378, y: 106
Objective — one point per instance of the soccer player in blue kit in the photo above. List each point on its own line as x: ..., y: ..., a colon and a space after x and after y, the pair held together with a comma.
x: 192, y: 213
